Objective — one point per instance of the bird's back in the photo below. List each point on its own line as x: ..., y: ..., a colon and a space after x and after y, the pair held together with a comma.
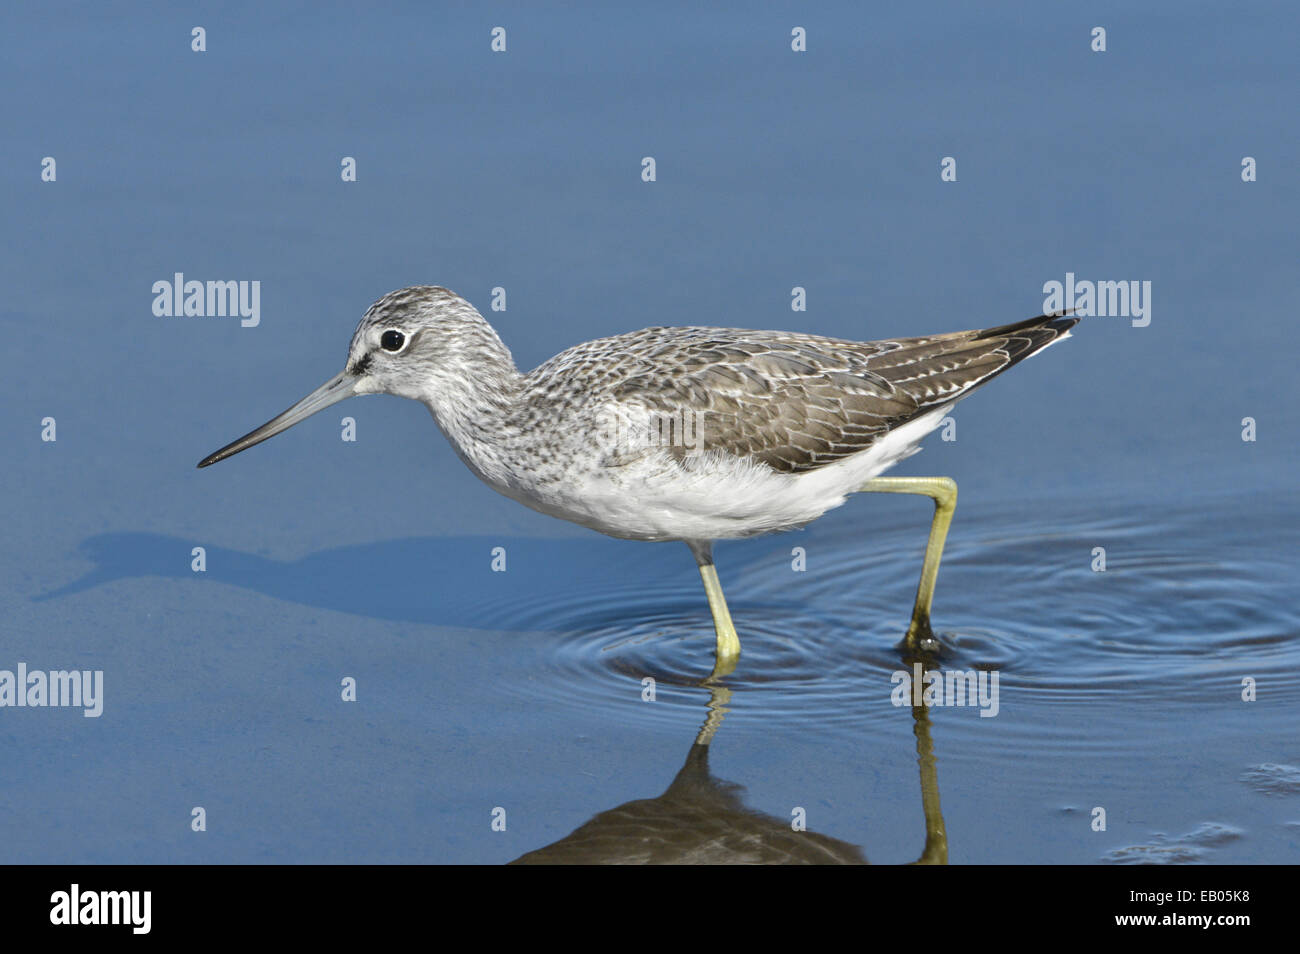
x: 793, y: 402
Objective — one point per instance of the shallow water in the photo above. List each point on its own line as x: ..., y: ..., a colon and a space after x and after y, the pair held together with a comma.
x: 1129, y: 677
x: 521, y: 696
x: 1119, y: 690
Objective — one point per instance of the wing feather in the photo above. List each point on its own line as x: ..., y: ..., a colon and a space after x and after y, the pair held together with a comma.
x: 796, y: 402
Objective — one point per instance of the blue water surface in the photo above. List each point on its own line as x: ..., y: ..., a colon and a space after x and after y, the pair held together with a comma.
x: 483, y: 695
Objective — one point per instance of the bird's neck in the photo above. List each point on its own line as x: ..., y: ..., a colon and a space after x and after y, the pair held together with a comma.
x: 472, y: 399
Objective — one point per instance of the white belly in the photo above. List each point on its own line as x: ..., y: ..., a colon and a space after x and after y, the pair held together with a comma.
x: 715, y: 497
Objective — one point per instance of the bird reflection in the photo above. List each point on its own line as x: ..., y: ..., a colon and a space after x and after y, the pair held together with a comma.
x: 702, y: 819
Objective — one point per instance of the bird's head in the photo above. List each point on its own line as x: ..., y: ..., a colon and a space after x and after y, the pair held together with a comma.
x: 412, y: 343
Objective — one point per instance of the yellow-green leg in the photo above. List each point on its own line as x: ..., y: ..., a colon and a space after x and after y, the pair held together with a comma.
x: 943, y: 490
x: 728, y: 648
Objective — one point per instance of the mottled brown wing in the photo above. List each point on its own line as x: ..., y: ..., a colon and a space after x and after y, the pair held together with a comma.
x: 800, y: 402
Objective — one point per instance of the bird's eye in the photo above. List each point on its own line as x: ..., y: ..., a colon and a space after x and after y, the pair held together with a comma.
x: 392, y: 340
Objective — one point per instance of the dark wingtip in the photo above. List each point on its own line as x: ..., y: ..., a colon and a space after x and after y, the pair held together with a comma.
x: 1058, y: 321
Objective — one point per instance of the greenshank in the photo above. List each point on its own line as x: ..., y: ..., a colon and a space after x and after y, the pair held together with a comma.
x: 692, y: 434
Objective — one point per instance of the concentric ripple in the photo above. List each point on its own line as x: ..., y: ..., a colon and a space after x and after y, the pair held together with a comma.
x: 1164, y: 623
x: 601, y: 647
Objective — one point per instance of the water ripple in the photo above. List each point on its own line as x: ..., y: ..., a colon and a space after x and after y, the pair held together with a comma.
x: 1192, y: 847
x: 1180, y: 615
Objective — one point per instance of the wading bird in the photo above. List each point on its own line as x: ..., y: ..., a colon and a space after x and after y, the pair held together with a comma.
x: 691, y: 434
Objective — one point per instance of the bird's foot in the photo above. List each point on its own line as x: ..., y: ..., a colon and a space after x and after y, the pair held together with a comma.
x: 920, y: 639
x: 724, y: 664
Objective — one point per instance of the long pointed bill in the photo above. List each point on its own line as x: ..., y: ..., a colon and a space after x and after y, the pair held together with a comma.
x: 331, y: 392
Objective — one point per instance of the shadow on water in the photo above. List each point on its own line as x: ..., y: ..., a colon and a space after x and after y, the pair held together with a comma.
x: 444, y: 581
x: 702, y: 819
x: 1183, y: 613
x: 1181, y: 602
